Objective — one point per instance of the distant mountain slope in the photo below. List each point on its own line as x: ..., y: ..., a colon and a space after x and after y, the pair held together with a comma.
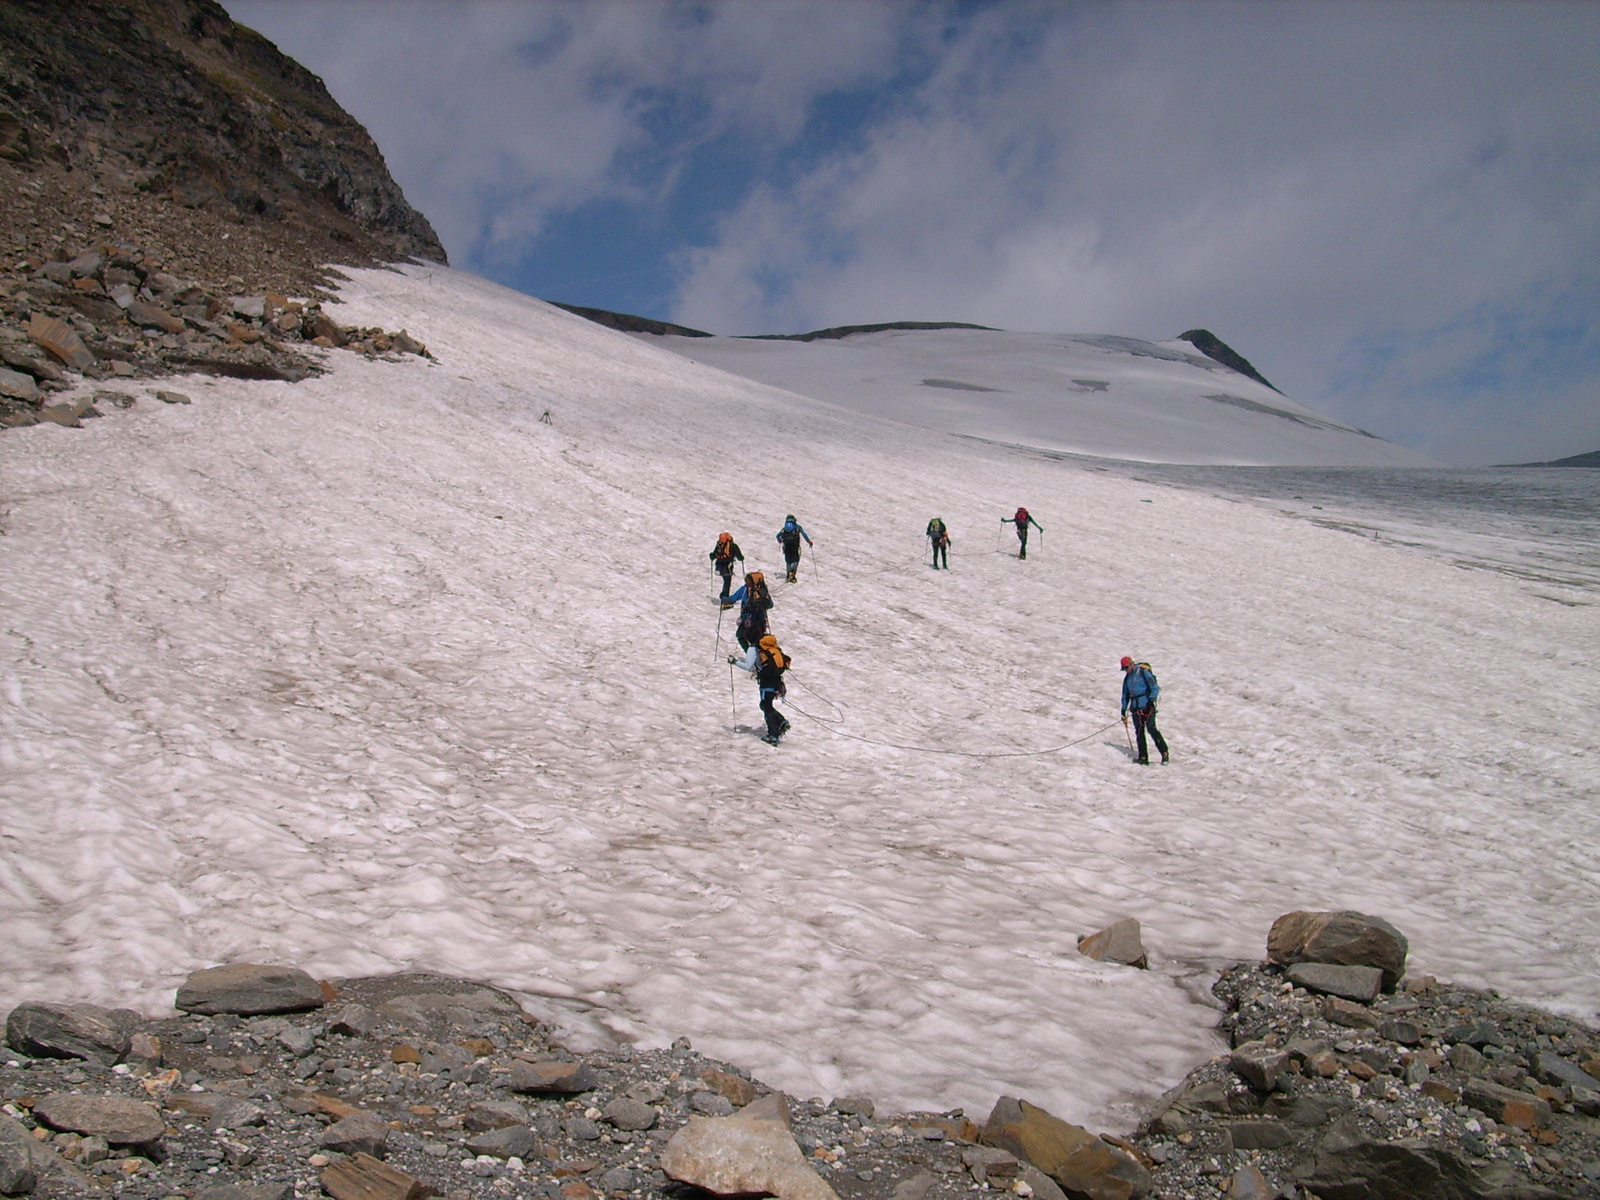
x: 1591, y: 459
x: 1103, y: 395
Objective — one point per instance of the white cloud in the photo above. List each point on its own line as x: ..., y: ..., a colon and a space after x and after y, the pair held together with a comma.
x: 1310, y: 181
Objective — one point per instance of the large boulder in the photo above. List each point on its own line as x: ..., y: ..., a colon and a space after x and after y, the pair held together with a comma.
x: 121, y: 1122
x: 1081, y: 1163
x: 70, y: 1031
x: 1349, y: 939
x: 749, y: 1153
x: 249, y: 989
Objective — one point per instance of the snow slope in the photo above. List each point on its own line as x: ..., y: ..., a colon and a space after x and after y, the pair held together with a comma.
x: 1115, y: 397
x: 378, y: 671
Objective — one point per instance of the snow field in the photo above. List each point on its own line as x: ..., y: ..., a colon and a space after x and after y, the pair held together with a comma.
x: 379, y: 672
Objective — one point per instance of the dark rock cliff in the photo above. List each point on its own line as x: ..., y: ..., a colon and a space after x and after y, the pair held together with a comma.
x: 172, y: 103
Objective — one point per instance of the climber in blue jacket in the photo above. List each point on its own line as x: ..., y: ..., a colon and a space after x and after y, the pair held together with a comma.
x: 1139, y: 693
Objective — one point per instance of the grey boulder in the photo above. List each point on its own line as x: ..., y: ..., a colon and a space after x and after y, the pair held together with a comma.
x: 1361, y: 984
x: 513, y: 1141
x: 121, y: 1122
x: 249, y: 989
x: 70, y: 1031
x: 1348, y: 939
x: 1119, y: 942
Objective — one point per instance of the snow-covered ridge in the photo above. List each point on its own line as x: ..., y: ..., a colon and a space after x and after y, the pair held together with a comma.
x: 380, y: 671
x: 1116, y: 397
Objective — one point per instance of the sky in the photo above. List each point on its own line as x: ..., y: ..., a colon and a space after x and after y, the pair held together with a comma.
x: 1392, y: 209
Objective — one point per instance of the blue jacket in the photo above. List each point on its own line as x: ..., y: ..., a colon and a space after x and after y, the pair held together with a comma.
x: 1139, y: 688
x: 746, y: 603
x: 790, y: 535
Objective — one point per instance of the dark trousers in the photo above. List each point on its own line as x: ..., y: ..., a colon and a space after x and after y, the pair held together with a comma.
x: 793, y: 564
x: 1143, y: 719
x: 1023, y: 535
x: 940, y: 548
x: 776, y: 725
x: 727, y: 577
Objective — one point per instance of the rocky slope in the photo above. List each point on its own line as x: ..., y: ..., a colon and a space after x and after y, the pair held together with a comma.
x: 166, y: 150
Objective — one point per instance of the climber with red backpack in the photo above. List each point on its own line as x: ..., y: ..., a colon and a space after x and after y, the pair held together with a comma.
x: 1022, y: 520
x: 723, y: 555
x: 753, y: 600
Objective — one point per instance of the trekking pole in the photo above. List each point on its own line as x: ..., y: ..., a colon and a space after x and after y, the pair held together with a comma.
x: 1127, y: 732
x: 733, y: 699
x: 813, y: 550
x: 717, y: 648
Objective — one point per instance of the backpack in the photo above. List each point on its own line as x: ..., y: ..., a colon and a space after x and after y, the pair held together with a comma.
x: 757, y: 588
x: 1021, y: 518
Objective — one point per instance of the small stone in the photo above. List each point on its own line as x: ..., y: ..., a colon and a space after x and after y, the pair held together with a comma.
x: 150, y: 316
x: 511, y: 1141
x: 235, y: 1113
x: 19, y: 386
x: 850, y: 1106
x: 581, y: 1129
x: 246, y: 1191
x: 1361, y: 984
x: 359, y: 1133
x: 618, y: 1179
x: 563, y: 1078
x: 405, y: 1054
x: 1072, y: 1156
x: 1248, y: 1183
x: 1258, y: 1135
x: 353, y: 1020
x: 738, y: 1091
x: 298, y: 1040
x: 752, y: 1152
x: 1442, y: 1092
x: 121, y: 1122
x: 1466, y: 1060
x: 1520, y: 1109
x: 627, y: 1113
x: 1119, y: 942
x: 1348, y: 1013
x: 1403, y: 1033
x: 711, y: 1104
x: 248, y: 988
x: 1562, y: 1072
x: 172, y: 398
x: 362, y: 1177
x: 1258, y: 1064
x: 58, y: 338
x: 1363, y: 1070
x: 494, y: 1114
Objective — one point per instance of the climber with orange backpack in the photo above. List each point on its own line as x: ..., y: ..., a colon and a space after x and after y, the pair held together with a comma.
x: 767, y: 663
x: 723, y: 555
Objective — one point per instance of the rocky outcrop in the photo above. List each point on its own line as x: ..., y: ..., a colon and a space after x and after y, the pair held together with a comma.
x: 175, y: 101
x: 1218, y: 350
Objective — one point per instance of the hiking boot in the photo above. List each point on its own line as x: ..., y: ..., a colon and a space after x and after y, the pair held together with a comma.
x: 1143, y: 762
x: 1165, y: 757
x: 770, y: 739
x: 792, y: 575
